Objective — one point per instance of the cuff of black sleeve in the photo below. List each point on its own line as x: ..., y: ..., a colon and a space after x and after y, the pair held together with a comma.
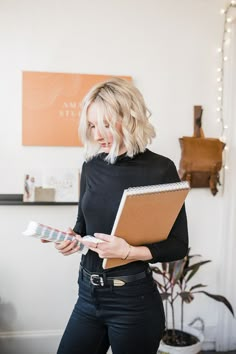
x: 154, y: 254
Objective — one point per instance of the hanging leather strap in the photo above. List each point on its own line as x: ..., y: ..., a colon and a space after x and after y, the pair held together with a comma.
x: 197, y: 123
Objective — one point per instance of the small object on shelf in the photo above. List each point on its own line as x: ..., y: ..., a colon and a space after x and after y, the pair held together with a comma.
x: 51, y: 185
x: 44, y: 194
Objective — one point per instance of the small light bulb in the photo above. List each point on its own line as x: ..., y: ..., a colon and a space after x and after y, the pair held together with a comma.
x: 218, y: 120
x: 229, y: 19
x: 233, y: 2
x: 219, y: 98
x: 222, y: 11
x: 226, y: 167
x: 218, y: 79
x: 225, y: 58
x: 220, y: 89
x: 227, y: 41
x: 225, y: 126
x: 219, y: 50
x: 218, y: 109
x: 219, y: 70
x: 228, y: 30
x: 226, y: 147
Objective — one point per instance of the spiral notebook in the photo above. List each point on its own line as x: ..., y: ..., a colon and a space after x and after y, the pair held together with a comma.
x: 147, y: 214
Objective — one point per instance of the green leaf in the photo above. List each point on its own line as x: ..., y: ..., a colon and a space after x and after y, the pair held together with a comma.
x: 186, y: 296
x: 171, y: 268
x: 199, y: 264
x: 164, y: 296
x: 164, y: 266
x: 191, y: 274
x: 197, y: 286
x: 219, y: 298
x: 177, y: 271
x: 157, y: 270
x: 195, y: 267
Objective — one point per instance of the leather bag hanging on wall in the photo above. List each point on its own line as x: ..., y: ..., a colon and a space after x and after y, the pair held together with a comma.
x: 201, y: 158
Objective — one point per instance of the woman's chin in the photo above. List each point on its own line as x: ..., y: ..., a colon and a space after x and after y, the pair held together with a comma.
x: 105, y: 149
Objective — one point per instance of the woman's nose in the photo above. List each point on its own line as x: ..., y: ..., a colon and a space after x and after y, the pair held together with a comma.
x: 96, y: 134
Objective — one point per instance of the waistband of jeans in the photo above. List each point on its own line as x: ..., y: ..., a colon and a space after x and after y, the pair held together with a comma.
x: 102, y: 280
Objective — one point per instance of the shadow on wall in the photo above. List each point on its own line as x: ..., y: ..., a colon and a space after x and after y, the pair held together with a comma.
x: 7, y: 315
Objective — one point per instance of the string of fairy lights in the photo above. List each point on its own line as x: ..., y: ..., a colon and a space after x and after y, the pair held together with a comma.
x: 223, y: 50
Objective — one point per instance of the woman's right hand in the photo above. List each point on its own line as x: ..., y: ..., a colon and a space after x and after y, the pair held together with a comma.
x: 68, y: 247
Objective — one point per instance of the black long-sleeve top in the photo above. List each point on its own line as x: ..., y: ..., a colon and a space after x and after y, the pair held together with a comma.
x: 102, y: 186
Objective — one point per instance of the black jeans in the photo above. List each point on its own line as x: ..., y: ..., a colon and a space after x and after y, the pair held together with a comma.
x: 129, y: 318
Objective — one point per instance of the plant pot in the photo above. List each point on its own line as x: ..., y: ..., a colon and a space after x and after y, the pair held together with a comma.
x: 190, y: 349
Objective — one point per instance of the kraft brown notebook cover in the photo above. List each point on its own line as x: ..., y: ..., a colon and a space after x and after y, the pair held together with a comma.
x: 147, y: 214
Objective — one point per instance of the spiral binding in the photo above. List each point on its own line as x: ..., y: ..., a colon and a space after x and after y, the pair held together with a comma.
x: 158, y: 188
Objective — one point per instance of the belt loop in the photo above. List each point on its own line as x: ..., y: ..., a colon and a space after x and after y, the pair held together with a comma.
x: 81, y: 272
x: 92, y: 289
x: 104, y: 275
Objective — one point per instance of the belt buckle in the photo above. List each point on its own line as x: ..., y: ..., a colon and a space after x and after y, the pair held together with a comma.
x: 96, y: 280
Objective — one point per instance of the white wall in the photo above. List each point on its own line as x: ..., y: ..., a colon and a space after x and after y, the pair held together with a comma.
x: 169, y: 48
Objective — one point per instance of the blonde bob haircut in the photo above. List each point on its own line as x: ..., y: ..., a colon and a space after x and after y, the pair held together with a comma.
x: 116, y: 100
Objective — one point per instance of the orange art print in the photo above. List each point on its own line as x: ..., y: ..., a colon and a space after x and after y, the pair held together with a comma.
x: 51, y: 105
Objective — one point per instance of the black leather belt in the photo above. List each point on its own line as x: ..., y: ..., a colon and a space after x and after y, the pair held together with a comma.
x: 119, y: 280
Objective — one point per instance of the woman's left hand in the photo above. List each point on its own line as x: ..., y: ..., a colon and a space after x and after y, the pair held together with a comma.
x: 112, y: 247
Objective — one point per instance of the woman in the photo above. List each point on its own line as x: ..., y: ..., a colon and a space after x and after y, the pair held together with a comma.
x: 115, y: 130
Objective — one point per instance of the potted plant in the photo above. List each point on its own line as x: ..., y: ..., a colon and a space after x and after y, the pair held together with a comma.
x: 173, y: 280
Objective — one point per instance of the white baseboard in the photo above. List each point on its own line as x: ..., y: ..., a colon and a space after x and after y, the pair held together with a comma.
x: 46, y: 342
x: 30, y: 342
